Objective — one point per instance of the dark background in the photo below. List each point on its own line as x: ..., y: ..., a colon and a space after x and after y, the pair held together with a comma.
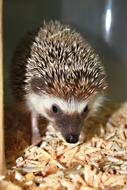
x: 88, y: 17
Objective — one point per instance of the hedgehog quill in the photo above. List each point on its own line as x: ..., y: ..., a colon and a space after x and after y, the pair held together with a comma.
x: 56, y: 75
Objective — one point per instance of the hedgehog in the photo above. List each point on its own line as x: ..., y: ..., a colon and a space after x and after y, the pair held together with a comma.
x: 56, y: 75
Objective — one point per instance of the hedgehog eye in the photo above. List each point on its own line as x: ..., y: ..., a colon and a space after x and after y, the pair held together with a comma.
x: 55, y: 109
x: 85, y: 109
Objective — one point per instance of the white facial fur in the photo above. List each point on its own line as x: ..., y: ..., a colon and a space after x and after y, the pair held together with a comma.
x: 39, y: 104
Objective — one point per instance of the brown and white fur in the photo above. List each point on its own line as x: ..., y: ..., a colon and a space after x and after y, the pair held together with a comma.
x: 57, y: 75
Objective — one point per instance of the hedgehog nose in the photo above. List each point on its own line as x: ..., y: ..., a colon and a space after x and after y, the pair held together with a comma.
x: 72, y: 138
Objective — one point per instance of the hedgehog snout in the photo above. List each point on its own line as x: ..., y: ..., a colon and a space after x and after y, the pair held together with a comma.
x: 71, y: 132
x: 70, y: 127
x: 72, y: 138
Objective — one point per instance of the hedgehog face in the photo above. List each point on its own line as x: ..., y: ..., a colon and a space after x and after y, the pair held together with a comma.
x: 69, y: 124
x: 67, y: 116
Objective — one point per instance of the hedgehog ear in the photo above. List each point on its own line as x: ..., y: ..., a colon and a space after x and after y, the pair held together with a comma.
x: 37, y: 85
